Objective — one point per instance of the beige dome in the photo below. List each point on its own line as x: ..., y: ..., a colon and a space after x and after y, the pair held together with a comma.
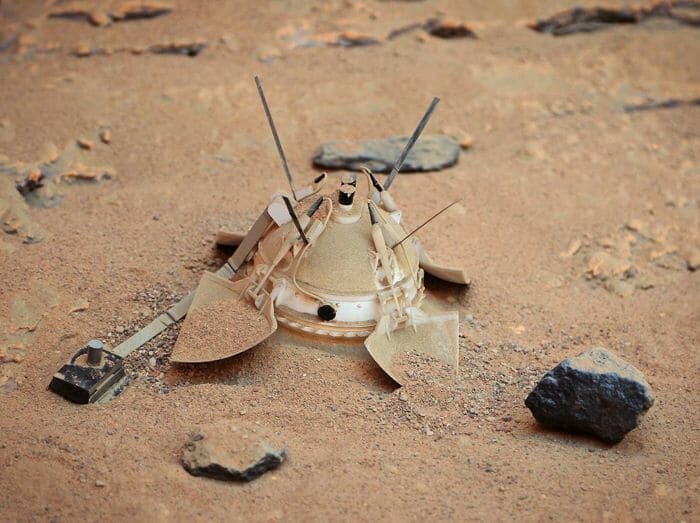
x: 340, y: 261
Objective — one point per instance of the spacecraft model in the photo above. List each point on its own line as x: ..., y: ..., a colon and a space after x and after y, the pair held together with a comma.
x: 330, y: 259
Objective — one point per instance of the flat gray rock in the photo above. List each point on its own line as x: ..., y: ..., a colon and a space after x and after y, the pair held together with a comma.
x: 229, y: 452
x: 430, y: 153
x: 596, y: 393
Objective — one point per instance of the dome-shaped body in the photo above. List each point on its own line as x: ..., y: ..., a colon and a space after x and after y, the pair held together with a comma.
x: 340, y: 268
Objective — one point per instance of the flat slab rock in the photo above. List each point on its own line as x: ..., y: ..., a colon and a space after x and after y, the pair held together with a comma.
x: 596, y: 393
x: 229, y: 451
x: 430, y: 153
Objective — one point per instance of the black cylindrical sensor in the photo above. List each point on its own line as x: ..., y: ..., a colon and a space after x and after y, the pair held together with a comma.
x: 345, y: 194
x: 94, y: 352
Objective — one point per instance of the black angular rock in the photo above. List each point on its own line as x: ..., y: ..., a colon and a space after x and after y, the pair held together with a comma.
x: 596, y: 393
x: 430, y: 153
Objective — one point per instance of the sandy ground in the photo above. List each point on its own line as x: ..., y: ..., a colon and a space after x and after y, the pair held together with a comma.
x: 577, y: 224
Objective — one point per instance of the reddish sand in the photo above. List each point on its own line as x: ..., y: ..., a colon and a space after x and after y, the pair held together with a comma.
x: 577, y: 225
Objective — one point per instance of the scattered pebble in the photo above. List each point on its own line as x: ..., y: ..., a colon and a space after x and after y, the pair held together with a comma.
x: 81, y: 305
x: 448, y: 29
x: 692, y: 261
x: 86, y: 144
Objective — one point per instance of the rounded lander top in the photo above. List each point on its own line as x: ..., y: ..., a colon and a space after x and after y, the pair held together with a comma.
x: 342, y: 261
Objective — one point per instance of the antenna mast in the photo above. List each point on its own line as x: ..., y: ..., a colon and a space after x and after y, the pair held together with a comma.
x: 426, y: 222
x: 258, y: 83
x: 409, y: 144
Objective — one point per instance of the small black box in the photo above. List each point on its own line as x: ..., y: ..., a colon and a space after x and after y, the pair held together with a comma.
x: 85, y: 383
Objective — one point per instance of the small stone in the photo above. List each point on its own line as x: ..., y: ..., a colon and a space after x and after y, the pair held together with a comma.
x: 81, y: 305
x: 448, y: 29
x: 466, y: 142
x: 133, y: 10
x: 100, y: 483
x: 692, y: 260
x: 152, y: 362
x: 596, y: 392
x: 106, y: 136
x: 572, y: 249
x: 85, y: 144
x: 190, y: 49
x: 227, y: 452
x: 99, y: 18
x: 82, y: 50
x: 340, y: 39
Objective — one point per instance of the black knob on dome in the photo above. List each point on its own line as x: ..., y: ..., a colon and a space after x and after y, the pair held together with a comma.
x: 326, y: 312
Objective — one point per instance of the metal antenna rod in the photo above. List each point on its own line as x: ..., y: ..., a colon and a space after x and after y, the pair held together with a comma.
x: 409, y: 144
x: 258, y: 83
x: 295, y: 219
x: 314, y: 207
x: 426, y: 222
x: 376, y: 184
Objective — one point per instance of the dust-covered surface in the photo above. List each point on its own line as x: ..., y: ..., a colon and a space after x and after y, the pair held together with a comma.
x: 578, y: 225
x: 220, y: 329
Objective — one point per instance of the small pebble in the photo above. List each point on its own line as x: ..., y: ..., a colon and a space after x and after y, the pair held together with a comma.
x: 106, y: 136
x: 100, y: 483
x: 85, y: 144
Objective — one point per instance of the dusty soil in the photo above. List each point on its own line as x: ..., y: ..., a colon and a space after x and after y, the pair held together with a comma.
x: 578, y: 223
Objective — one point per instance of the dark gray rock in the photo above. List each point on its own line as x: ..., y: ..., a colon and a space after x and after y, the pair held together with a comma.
x: 229, y: 453
x: 430, y: 153
x: 596, y: 393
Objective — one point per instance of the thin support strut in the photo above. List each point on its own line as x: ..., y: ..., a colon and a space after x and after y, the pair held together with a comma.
x: 258, y: 83
x: 409, y: 144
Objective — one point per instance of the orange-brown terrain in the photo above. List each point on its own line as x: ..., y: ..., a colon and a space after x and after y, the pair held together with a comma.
x: 578, y: 225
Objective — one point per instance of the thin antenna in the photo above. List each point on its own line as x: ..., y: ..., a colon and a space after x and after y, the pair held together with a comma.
x: 314, y: 207
x: 426, y: 222
x: 409, y: 144
x: 258, y: 83
x: 376, y: 184
x: 295, y: 219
